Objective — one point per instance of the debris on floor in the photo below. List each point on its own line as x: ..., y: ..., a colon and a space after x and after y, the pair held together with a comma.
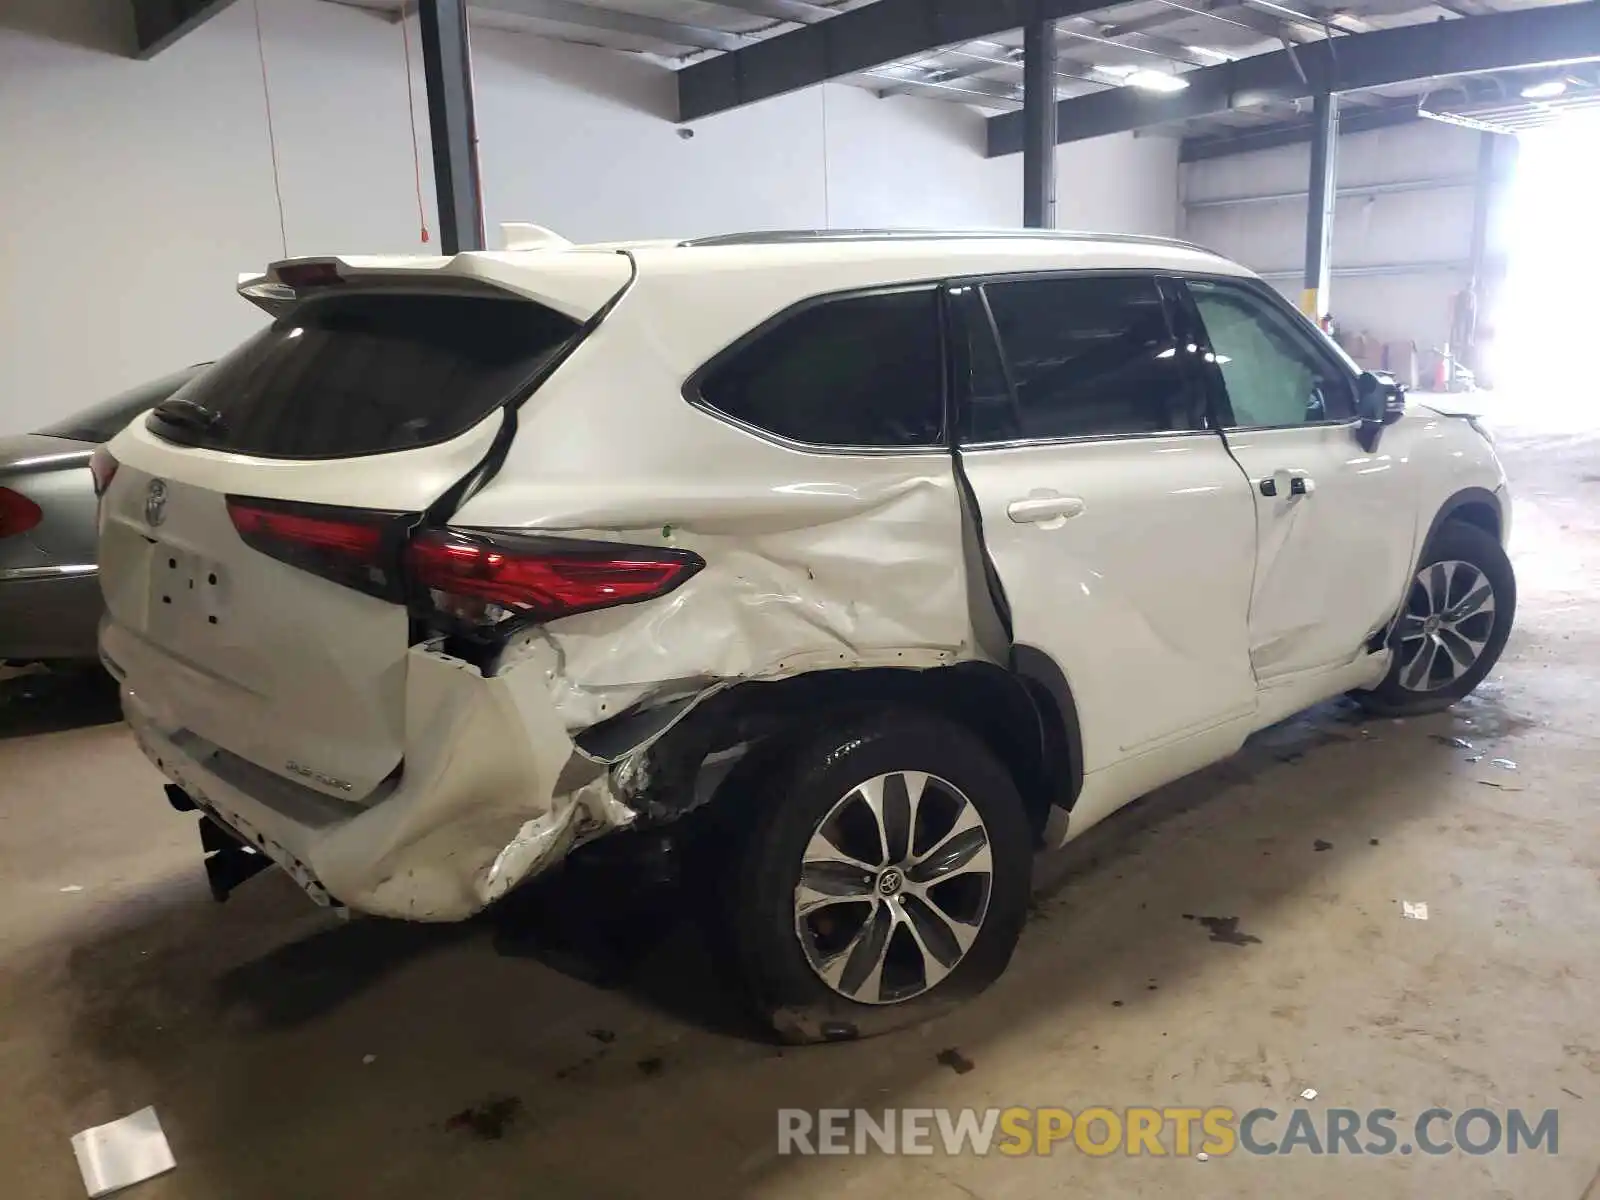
x: 1504, y: 787
x: 1320, y: 845
x: 122, y: 1152
x: 1309, y: 1094
x: 1503, y: 762
x: 1203, y: 1157
x: 72, y: 887
x: 487, y: 1121
x: 955, y: 1060
x: 1460, y: 743
x: 368, y: 1059
x: 1415, y: 910
x: 1225, y: 929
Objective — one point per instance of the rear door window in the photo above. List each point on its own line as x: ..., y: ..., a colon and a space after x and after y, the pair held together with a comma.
x: 365, y: 373
x: 857, y: 371
x: 1087, y: 356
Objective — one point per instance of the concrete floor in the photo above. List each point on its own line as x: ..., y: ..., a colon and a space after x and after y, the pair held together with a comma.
x: 247, y: 1025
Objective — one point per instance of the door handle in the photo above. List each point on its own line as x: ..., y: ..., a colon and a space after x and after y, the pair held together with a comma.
x: 1042, y: 509
x: 1299, y: 485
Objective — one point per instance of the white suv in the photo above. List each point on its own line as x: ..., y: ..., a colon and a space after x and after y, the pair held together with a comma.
x: 904, y: 553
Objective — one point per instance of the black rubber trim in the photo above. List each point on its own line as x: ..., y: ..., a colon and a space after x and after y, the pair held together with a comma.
x: 474, y: 481
x: 1458, y: 501
x: 1039, y: 668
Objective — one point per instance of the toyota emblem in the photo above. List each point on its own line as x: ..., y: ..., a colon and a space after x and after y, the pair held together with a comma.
x: 155, y: 503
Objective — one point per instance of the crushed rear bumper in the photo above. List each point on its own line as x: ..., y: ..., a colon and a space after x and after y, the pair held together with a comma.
x: 492, y: 792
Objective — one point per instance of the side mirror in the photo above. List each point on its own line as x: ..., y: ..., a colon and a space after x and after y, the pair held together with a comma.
x: 1380, y: 401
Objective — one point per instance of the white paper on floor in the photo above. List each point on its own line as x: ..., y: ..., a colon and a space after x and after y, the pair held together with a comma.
x: 122, y: 1152
x: 1417, y: 910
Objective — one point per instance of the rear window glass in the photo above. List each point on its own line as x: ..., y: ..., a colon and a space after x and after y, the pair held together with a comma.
x: 857, y: 371
x: 364, y: 373
x: 102, y: 422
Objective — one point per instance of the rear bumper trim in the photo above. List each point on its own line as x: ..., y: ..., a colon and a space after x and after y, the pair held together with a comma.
x: 477, y: 809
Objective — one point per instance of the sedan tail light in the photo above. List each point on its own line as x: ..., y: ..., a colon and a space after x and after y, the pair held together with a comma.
x: 18, y: 514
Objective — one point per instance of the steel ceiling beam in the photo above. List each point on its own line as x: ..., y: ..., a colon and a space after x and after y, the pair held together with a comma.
x: 797, y: 11
x: 853, y: 42
x: 159, y: 23
x: 1528, y: 37
x: 612, y: 20
x: 447, y: 70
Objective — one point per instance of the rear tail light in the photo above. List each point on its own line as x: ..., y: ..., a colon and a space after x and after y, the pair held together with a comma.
x: 104, y: 469
x: 469, y: 582
x: 486, y: 580
x: 356, y: 547
x: 18, y: 514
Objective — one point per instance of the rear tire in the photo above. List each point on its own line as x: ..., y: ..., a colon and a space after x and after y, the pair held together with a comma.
x: 885, y: 877
x: 1454, y: 624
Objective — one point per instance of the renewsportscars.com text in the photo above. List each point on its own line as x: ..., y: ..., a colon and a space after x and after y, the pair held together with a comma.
x: 1216, y: 1131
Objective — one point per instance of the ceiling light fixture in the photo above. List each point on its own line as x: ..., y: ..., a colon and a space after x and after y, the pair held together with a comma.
x: 1156, y: 81
x: 1548, y: 89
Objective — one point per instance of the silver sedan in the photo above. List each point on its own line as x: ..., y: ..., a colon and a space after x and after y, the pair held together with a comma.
x: 49, y: 591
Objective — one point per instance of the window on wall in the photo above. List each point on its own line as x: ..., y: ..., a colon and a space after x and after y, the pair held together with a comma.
x: 1273, y: 371
x: 856, y: 371
x: 1088, y: 356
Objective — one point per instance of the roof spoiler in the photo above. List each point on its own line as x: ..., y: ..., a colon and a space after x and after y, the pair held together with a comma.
x: 267, y: 294
x: 578, y: 285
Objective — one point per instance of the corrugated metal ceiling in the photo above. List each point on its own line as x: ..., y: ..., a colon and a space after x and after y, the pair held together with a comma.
x: 1097, y: 50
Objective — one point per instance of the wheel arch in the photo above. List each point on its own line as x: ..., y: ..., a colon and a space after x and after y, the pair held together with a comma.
x: 1474, y: 506
x: 1025, y: 716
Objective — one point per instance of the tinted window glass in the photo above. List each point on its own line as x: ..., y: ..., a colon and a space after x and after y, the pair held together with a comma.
x: 859, y: 371
x: 1269, y: 362
x: 1090, y: 356
x: 361, y: 373
x: 103, y: 421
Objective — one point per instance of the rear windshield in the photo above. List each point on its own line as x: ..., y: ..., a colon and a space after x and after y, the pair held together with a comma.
x: 102, y: 422
x: 364, y: 373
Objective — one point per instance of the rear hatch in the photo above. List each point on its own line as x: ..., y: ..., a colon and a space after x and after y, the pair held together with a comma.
x: 253, y: 530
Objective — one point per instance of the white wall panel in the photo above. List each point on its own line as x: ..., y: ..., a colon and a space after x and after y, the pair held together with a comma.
x: 1420, y: 228
x: 133, y: 193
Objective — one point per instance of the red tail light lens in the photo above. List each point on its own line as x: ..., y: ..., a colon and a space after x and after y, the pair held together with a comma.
x: 356, y: 547
x: 485, y: 579
x: 18, y: 514
x: 104, y: 469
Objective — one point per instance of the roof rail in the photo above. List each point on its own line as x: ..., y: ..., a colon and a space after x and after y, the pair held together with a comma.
x: 782, y: 237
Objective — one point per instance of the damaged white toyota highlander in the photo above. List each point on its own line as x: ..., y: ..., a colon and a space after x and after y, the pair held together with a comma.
x: 904, y: 554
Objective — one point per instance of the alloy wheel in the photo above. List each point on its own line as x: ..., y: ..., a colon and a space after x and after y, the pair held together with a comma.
x: 894, y: 887
x: 1447, y: 623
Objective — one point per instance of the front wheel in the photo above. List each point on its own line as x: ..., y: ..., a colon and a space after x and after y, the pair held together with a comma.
x: 1454, y: 625
x: 887, y: 875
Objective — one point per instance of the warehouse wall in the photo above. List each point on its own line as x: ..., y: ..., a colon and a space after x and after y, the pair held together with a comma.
x: 1120, y: 183
x: 1428, y: 233
x: 135, y: 192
